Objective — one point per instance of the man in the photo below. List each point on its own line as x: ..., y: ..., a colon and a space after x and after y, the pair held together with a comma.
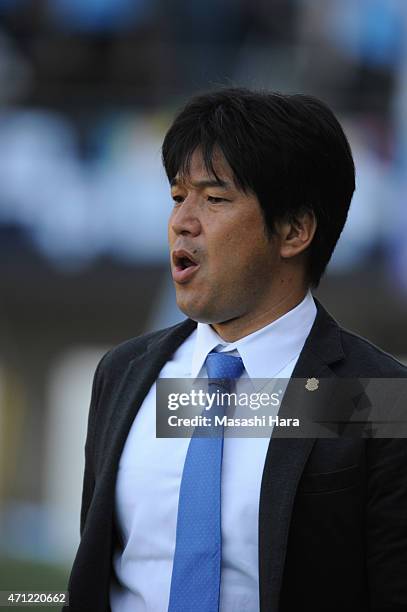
x: 261, y: 184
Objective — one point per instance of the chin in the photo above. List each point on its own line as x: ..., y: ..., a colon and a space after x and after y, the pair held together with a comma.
x: 195, y: 315
x: 204, y: 314
x: 196, y: 312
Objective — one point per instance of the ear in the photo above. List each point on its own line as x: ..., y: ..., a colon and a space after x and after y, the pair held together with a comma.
x: 296, y: 234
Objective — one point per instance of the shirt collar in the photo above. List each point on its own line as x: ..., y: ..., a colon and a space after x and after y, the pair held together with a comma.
x: 266, y: 351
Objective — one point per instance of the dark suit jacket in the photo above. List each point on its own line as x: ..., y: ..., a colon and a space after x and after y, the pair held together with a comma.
x: 333, y: 512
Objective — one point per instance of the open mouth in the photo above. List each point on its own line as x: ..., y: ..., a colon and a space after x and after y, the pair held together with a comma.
x: 185, y: 262
x: 184, y: 265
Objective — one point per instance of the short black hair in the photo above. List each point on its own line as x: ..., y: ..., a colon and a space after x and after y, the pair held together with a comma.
x: 289, y: 150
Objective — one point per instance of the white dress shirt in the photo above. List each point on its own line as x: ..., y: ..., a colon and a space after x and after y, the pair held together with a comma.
x: 150, y: 471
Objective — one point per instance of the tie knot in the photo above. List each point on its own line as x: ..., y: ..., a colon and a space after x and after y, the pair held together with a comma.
x: 222, y: 365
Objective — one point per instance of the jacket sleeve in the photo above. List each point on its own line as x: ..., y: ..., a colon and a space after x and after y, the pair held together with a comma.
x: 386, y: 523
x: 89, y: 473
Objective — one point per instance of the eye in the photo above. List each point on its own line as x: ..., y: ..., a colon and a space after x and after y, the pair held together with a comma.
x: 177, y: 199
x: 216, y: 200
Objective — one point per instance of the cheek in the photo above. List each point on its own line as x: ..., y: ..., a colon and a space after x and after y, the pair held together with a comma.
x: 170, y: 232
x: 226, y: 253
x: 247, y: 244
x: 232, y: 262
x: 235, y: 247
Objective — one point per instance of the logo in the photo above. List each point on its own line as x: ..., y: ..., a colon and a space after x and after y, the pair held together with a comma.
x: 312, y: 384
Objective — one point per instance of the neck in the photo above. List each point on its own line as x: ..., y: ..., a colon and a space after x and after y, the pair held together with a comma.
x: 242, y: 326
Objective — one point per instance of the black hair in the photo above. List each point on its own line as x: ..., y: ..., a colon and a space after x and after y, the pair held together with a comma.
x: 289, y: 150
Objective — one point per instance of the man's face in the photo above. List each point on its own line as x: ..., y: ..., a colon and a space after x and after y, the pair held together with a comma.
x: 222, y: 260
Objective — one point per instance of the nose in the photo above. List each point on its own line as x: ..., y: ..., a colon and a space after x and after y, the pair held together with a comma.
x: 184, y: 219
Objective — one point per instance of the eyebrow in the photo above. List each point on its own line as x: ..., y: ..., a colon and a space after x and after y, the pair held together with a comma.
x: 204, y: 183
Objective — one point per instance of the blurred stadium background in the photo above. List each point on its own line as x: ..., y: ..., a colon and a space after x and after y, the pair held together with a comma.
x: 87, y: 89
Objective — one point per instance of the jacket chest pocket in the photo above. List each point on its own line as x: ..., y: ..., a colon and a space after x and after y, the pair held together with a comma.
x: 329, y: 482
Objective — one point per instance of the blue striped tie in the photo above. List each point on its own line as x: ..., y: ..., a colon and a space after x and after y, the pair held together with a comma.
x: 195, y: 582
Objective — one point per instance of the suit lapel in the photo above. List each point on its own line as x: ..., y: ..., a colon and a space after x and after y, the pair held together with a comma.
x: 141, y: 373
x: 286, y: 459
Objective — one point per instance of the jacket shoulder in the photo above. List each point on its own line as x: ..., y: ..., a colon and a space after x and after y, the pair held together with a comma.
x: 370, y: 359
x: 118, y: 357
